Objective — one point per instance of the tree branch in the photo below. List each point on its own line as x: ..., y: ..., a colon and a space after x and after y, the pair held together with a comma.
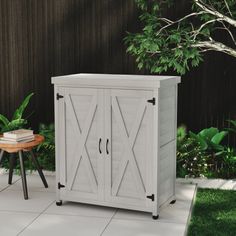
x: 215, y: 13
x: 170, y: 23
x: 196, y: 32
x: 227, y: 6
x: 215, y: 46
x: 229, y: 32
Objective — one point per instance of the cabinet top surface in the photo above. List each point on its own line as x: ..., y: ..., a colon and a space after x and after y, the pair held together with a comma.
x: 116, y: 80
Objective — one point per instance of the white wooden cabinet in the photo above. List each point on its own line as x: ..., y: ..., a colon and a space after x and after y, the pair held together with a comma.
x: 116, y: 140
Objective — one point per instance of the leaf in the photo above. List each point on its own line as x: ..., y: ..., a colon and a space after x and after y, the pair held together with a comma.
x: 208, y: 133
x: 199, y: 139
x: 181, y: 132
x: 219, y: 153
x: 233, y: 159
x: 19, y: 111
x: 14, y: 124
x: 231, y: 130
x: 195, y: 63
x: 233, y: 122
x: 4, y: 120
x: 216, y: 139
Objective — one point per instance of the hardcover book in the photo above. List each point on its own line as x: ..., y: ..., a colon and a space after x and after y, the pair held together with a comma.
x: 17, y: 134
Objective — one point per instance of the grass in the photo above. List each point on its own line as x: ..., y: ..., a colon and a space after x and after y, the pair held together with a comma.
x: 214, y: 213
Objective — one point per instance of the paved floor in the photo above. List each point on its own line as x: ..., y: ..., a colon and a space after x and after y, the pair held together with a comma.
x: 40, y: 216
x: 210, y: 183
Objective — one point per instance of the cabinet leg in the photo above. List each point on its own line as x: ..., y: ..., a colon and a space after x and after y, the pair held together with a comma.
x: 155, y: 217
x: 59, y: 203
x: 173, y: 201
x: 12, y: 162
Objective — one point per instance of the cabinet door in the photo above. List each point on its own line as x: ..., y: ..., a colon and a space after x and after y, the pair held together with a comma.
x: 81, y: 164
x: 129, y: 154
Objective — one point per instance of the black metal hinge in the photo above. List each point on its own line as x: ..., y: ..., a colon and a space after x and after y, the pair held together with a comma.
x: 59, y: 185
x: 151, y: 197
x: 59, y: 96
x: 153, y: 101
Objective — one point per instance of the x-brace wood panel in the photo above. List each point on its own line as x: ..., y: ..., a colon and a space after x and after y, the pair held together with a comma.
x: 129, y: 141
x: 81, y: 136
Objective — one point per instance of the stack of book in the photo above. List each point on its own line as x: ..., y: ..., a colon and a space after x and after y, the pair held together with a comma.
x: 17, y: 136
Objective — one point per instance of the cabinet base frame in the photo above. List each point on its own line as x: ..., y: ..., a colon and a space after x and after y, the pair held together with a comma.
x: 155, y: 213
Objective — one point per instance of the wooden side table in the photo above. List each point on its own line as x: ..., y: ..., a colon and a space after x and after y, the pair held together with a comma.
x: 20, y: 148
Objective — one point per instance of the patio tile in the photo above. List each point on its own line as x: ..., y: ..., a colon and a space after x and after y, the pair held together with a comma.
x: 71, y: 208
x: 66, y: 225
x: 119, y: 227
x: 14, y: 201
x: 35, y: 184
x: 12, y: 223
x: 4, y: 180
x: 178, y: 212
x: 185, y: 192
x: 217, y: 183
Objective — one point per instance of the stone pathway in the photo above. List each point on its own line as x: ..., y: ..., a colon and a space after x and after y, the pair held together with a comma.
x: 210, y: 183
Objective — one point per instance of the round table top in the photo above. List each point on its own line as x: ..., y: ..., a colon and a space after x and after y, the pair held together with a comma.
x: 24, y: 146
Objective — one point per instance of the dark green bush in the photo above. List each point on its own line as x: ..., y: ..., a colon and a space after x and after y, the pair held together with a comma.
x: 203, y: 154
x: 191, y: 157
x: 46, y: 151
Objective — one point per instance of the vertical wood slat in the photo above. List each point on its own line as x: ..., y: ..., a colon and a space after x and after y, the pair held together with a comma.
x: 40, y: 39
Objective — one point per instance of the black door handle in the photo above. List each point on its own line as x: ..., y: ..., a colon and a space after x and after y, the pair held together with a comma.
x: 107, y: 146
x: 99, y: 146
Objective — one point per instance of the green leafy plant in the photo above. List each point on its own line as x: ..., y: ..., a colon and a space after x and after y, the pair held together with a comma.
x: 210, y: 139
x: 17, y: 120
x: 178, y: 44
x: 203, y: 154
x: 228, y: 164
x: 192, y: 158
x: 46, y: 151
x: 181, y: 133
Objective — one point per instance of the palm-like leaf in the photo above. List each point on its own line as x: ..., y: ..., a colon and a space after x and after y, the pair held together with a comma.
x: 233, y: 122
x: 14, y: 124
x: 233, y: 126
x: 199, y: 139
x: 4, y: 120
x: 19, y: 111
x: 209, y: 133
x: 219, y: 137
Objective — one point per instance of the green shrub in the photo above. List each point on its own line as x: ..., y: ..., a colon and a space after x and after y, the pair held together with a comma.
x: 228, y: 164
x: 203, y: 154
x: 191, y: 156
x: 46, y: 151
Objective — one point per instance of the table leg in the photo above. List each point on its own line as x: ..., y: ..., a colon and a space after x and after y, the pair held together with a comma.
x: 12, y: 162
x: 23, y: 176
x: 36, y: 163
x: 1, y: 156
